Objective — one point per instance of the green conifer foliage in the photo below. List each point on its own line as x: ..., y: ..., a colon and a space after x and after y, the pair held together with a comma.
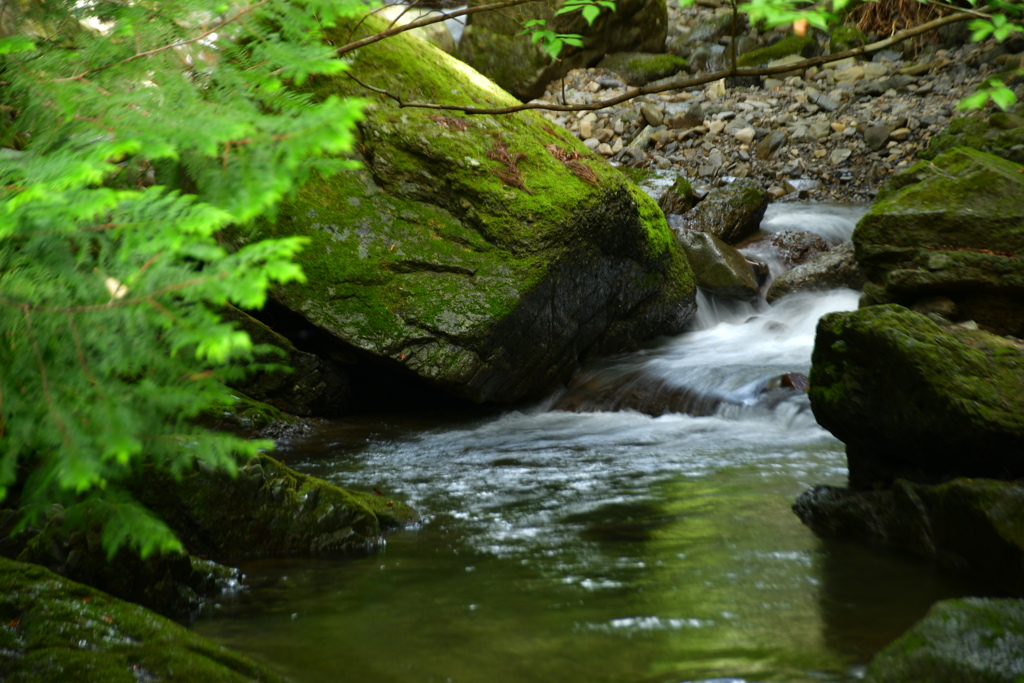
x: 130, y: 133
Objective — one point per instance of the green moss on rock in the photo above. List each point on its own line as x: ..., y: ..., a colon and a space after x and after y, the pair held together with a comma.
x: 790, y: 45
x: 466, y: 251
x: 973, y: 640
x: 955, y: 227
x: 639, y: 68
x: 267, y: 510
x: 54, y: 630
x: 913, y: 399
x: 845, y: 38
x: 979, y: 134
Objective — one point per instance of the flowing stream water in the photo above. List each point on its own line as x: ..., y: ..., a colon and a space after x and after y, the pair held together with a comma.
x: 607, y: 546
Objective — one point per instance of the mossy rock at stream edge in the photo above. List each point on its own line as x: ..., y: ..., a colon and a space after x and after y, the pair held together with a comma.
x: 967, y: 526
x: 915, y: 399
x: 974, y: 640
x: 952, y: 227
x: 428, y: 262
x: 55, y: 630
x: 267, y: 510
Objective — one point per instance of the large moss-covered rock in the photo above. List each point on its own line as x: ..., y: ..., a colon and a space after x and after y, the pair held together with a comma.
x: 493, y: 43
x: 914, y: 399
x: 952, y: 227
x: 968, y: 526
x: 974, y: 640
x: 267, y: 510
x: 55, y: 631
x: 487, y: 255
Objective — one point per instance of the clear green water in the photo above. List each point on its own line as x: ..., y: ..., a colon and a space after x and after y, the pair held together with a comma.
x: 592, y: 547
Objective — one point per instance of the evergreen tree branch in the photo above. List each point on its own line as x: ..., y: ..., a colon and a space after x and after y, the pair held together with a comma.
x: 113, y: 303
x: 681, y: 83
x: 43, y: 378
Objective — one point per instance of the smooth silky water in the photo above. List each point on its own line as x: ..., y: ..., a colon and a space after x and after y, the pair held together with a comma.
x: 566, y: 547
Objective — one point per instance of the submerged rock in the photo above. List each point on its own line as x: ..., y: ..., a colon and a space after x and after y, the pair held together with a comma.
x: 56, y: 631
x: 914, y: 399
x: 968, y: 526
x: 599, y: 391
x: 486, y: 255
x: 974, y: 640
x: 955, y: 227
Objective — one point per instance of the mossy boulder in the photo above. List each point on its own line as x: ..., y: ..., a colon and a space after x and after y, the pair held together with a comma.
x: 267, y: 510
x: 981, y: 134
x: 719, y: 268
x: 493, y: 44
x: 952, y: 227
x: 845, y: 38
x: 968, y: 526
x: 915, y: 399
x: 54, y: 630
x: 731, y: 213
x: 486, y: 255
x: 172, y: 584
x: 641, y: 68
x: 805, y: 46
x: 973, y: 640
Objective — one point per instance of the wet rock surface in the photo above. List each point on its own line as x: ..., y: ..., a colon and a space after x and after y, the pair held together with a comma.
x: 973, y: 639
x: 57, y: 630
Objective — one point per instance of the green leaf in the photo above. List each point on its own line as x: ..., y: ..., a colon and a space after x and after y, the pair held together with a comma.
x: 1004, y: 98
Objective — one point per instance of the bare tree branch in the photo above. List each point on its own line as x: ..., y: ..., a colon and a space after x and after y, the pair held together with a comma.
x: 681, y: 83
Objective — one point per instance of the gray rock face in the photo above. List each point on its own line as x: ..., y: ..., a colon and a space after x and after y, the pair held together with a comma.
x: 719, y: 268
x: 829, y: 270
x: 492, y: 44
x: 732, y: 213
x: 976, y: 640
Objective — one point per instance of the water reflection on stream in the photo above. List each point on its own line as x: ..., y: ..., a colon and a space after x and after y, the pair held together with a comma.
x: 590, y: 547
